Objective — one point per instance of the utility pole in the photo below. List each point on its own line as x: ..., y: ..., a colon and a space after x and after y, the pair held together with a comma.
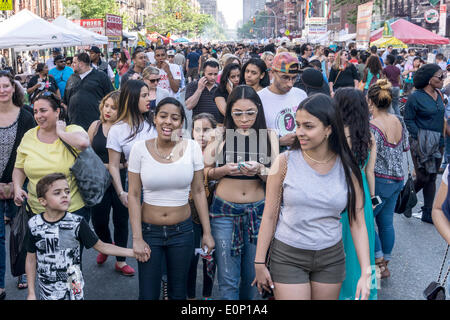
x: 276, y: 20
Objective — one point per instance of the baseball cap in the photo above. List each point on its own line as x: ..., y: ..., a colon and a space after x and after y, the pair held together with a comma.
x: 286, y: 63
x: 171, y: 53
x: 56, y: 50
x: 95, y: 49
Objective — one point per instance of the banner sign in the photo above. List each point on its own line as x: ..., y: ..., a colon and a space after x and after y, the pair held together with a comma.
x: 316, y: 26
x: 6, y: 5
x: 113, y: 28
x: 94, y: 25
x: 442, y: 19
x: 363, y: 23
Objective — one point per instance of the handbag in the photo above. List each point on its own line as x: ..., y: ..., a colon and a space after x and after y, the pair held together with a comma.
x: 269, y: 294
x: 436, y: 289
x: 93, y: 179
x: 407, y: 199
x: 17, y: 251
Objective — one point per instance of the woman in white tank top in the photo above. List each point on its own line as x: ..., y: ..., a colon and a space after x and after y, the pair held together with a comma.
x: 322, y: 178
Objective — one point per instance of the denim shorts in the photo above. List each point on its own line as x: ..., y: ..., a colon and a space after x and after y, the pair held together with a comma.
x: 296, y: 266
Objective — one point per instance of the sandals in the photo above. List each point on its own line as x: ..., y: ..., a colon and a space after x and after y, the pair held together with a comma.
x: 382, y: 265
x: 22, y: 282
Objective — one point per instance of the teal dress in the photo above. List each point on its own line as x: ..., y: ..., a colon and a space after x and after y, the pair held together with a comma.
x: 352, y: 268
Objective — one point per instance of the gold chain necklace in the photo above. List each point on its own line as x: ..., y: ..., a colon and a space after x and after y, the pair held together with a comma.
x: 168, y: 157
x: 317, y: 161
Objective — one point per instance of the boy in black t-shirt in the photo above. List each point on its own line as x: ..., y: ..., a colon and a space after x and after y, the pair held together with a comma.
x: 53, y: 242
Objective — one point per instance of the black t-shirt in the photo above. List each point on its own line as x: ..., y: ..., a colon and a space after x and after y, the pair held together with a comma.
x: 346, y: 77
x: 48, y: 84
x: 219, y: 93
x: 206, y: 101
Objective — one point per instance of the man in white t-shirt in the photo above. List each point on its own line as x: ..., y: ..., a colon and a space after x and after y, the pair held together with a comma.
x: 281, y: 99
x: 170, y: 74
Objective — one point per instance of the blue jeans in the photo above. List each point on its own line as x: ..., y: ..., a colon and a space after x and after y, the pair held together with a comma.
x: 388, y: 190
x: 7, y: 209
x: 177, y: 243
x: 235, y: 273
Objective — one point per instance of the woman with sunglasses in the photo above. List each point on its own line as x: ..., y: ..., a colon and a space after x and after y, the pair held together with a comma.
x: 424, y: 118
x: 151, y: 77
x: 239, y: 159
x: 14, y: 122
x: 342, y: 73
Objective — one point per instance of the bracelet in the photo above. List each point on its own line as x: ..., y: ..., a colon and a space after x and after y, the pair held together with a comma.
x: 256, y: 262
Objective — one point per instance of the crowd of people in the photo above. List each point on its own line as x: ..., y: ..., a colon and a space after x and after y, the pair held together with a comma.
x: 280, y: 166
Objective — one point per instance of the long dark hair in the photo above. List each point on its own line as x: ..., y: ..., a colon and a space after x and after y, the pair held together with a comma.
x: 355, y: 115
x: 323, y: 107
x: 374, y: 65
x: 128, y: 111
x: 226, y: 73
x: 246, y: 92
x: 265, y: 81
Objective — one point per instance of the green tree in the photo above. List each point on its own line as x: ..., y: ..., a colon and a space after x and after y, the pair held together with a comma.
x: 255, y: 30
x: 177, y: 16
x: 95, y: 9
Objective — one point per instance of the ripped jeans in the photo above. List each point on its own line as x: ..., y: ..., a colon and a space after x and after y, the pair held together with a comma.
x: 235, y: 272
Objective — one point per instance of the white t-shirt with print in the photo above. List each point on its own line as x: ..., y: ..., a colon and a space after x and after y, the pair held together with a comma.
x: 164, y: 78
x: 279, y: 110
x: 119, y: 132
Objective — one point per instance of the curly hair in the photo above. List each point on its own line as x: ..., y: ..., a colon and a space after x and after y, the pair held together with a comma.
x: 355, y: 114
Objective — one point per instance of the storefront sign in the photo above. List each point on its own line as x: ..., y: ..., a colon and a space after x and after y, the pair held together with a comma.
x: 431, y: 16
x: 363, y: 23
x: 113, y: 28
x: 94, y: 25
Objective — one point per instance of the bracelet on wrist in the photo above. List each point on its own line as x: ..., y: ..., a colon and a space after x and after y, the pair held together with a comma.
x: 257, y: 262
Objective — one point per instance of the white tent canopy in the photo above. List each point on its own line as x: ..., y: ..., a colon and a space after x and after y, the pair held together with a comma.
x: 27, y: 31
x: 87, y: 37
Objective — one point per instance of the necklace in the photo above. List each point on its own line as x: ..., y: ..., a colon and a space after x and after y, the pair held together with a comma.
x: 317, y: 161
x: 168, y: 157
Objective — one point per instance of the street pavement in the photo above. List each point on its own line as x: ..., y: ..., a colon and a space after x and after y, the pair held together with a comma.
x: 416, y: 260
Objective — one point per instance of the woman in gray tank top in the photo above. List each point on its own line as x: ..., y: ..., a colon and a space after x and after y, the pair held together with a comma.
x: 317, y: 180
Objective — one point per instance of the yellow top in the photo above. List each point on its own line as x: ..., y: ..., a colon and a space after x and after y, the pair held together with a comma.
x: 39, y: 159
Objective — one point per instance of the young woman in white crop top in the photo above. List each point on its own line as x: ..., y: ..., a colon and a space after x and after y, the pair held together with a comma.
x: 166, y: 168
x: 322, y: 178
x: 133, y: 124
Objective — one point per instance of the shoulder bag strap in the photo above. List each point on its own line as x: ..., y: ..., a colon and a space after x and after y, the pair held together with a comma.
x: 442, y: 268
x: 70, y: 148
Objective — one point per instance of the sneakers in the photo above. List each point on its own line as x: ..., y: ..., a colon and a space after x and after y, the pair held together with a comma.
x: 417, y: 215
x: 101, y: 258
x: 125, y: 270
x: 382, y: 265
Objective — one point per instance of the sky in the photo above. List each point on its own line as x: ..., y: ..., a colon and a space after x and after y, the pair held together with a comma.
x: 232, y: 10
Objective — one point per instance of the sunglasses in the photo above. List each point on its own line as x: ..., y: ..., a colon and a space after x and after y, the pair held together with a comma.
x: 441, y: 77
x: 154, y: 80
x: 48, y: 94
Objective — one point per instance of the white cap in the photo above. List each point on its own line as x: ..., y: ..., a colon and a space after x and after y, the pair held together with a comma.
x: 171, y: 52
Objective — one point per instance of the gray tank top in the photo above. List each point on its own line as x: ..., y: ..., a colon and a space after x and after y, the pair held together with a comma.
x: 312, y: 205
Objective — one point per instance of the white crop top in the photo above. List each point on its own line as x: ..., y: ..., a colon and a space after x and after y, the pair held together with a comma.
x: 166, y: 184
